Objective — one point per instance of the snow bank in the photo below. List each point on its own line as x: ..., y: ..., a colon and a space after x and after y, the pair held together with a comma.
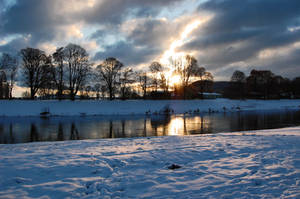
x: 257, y: 164
x: 77, y: 108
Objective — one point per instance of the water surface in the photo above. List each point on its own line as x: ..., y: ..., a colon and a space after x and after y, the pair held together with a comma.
x: 32, y: 129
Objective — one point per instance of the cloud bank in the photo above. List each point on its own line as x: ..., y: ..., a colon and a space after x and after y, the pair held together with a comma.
x: 239, y: 35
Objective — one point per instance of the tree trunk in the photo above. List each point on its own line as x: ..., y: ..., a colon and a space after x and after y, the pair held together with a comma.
x: 32, y: 93
x: 1, y: 90
x: 10, y: 92
x: 59, y: 94
x: 72, y: 96
x: 110, y: 95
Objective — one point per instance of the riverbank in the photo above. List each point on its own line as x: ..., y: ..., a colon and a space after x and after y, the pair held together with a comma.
x: 257, y: 164
x: 138, y: 107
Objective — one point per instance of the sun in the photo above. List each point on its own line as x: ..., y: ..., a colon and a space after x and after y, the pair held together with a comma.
x: 175, y: 80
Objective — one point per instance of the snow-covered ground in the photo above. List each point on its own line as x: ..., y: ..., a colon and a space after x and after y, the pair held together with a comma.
x: 69, y: 108
x: 258, y: 164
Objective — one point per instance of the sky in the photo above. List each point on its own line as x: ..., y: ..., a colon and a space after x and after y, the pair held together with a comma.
x: 223, y: 35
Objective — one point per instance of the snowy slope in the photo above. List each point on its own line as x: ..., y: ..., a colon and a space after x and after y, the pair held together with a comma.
x: 69, y: 108
x: 261, y: 164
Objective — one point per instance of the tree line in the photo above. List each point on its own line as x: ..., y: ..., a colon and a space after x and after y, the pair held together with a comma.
x: 262, y: 84
x: 69, y: 73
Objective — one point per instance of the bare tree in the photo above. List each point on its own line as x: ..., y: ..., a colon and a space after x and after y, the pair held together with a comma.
x: 260, y: 82
x: 33, y: 62
x: 109, y: 71
x: 4, y: 93
x: 86, y: 92
x: 103, y: 91
x: 164, y: 84
x: 125, y: 80
x: 237, y: 85
x: 155, y: 69
x: 58, y: 71
x: 78, y: 67
x: 9, y: 65
x: 203, y: 76
x: 185, y: 67
x: 47, y: 85
x: 143, y: 82
x: 97, y: 90
x: 238, y: 76
x: 295, y: 86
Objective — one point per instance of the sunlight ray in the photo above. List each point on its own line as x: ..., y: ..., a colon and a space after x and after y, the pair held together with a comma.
x: 184, y: 37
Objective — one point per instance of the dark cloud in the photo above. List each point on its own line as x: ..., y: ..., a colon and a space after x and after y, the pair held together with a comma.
x: 38, y: 18
x: 237, y: 33
x: 235, y: 14
x: 227, y: 48
x: 153, y: 32
x: 127, y: 53
x: 116, y: 11
x: 146, y: 40
x: 14, y: 46
x: 235, y: 21
x: 98, y: 34
x: 240, y: 30
x: 2, y: 4
x: 47, y: 21
x: 287, y: 65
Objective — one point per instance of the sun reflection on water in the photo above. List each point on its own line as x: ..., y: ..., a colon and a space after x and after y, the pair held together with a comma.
x: 176, y: 126
x: 182, y: 125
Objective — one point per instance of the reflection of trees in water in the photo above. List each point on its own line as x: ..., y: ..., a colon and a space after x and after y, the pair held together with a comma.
x: 145, y: 127
x: 60, y: 133
x: 123, y: 128
x: 10, y: 139
x: 254, y: 120
x: 241, y: 124
x: 202, y: 125
x: 246, y: 121
x: 34, y: 135
x: 185, y: 132
x: 120, y: 129
x: 74, y: 135
x: 111, y: 133
x: 206, y: 125
x: 160, y: 121
x: 2, y: 139
x: 12, y: 131
x: 197, y: 125
x: 115, y: 130
x: 11, y: 134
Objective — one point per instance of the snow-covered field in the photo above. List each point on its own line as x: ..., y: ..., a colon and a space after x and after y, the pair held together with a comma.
x: 69, y: 108
x: 260, y: 164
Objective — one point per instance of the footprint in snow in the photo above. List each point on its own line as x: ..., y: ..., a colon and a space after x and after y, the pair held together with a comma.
x: 174, y: 166
x: 20, y: 180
